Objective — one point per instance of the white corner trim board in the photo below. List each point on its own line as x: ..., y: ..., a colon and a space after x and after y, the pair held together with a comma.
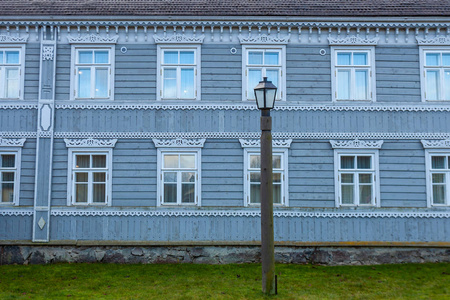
x: 90, y: 142
x: 356, y: 144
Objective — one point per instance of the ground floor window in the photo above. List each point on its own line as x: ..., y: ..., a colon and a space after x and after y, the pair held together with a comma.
x: 438, y: 174
x: 9, y: 176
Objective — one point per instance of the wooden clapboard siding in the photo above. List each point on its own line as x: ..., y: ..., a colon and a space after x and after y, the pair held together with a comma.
x: 32, y: 54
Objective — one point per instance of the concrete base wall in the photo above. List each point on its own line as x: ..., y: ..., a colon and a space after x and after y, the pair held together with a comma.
x: 220, y: 255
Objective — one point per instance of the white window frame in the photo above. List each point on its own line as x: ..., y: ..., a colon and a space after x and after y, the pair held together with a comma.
x: 197, y: 70
x: 160, y: 183
x: 423, y: 82
x: 17, y: 170
x: 284, y: 178
x: 72, y: 170
x: 248, y: 91
x: 20, y: 66
x: 375, y: 176
x: 428, y: 154
x: 371, y: 67
x: 74, y: 65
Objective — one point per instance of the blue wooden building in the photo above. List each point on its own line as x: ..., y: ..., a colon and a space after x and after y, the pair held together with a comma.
x: 135, y: 122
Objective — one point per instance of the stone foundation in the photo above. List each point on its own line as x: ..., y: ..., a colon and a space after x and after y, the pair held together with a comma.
x: 219, y: 255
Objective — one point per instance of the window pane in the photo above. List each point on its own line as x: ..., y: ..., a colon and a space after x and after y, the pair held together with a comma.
x: 438, y: 178
x: 100, y: 177
x: 347, y: 194
x: 438, y: 162
x: 276, y: 161
x: 432, y: 59
x: 276, y: 177
x: 446, y: 59
x: 365, y: 194
x: 170, y: 177
x: 171, y: 57
x: 272, y: 75
x: 361, y: 84
x: 347, y: 178
x: 187, y: 57
x: 438, y: 194
x: 85, y: 57
x: 7, y: 192
x: 364, y: 162
x: 255, y: 162
x: 187, y: 83
x: 84, y: 82
x: 360, y: 59
x: 277, y: 194
x: 187, y: 161
x: 99, y: 193
x: 170, y: 192
x: 12, y: 83
x: 101, y: 83
x: 255, y: 192
x: 81, y: 193
x: 347, y: 162
x: 254, y: 77
x: 12, y: 57
x: 432, y: 85
x: 8, y: 160
x: 81, y: 177
x: 8, y: 176
x: 271, y: 58
x: 99, y: 161
x: 343, y: 59
x: 171, y: 161
x: 343, y: 84
x: 188, y: 177
x: 255, y: 177
x: 101, y: 57
x: 446, y: 84
x: 255, y: 58
x: 170, y: 83
x: 187, y: 193
x: 82, y: 161
x: 1, y: 57
x: 365, y: 178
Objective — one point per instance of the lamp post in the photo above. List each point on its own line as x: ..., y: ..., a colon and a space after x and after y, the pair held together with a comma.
x: 265, y: 93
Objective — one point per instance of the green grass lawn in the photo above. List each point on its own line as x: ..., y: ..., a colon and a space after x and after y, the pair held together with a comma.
x: 189, y: 281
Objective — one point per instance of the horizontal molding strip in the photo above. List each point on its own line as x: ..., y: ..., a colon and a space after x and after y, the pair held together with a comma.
x: 418, y: 108
x: 18, y: 106
x: 18, y: 134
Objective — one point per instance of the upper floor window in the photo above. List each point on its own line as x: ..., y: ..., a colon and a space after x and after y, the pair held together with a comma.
x: 179, y: 72
x: 435, y: 74
x: 92, y: 72
x: 9, y: 177
x: 263, y: 61
x: 353, y: 73
x: 11, y: 72
x: 438, y: 174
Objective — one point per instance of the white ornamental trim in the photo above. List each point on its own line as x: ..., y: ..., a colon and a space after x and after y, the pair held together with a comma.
x: 179, y: 143
x: 16, y: 212
x: 356, y: 144
x: 11, y: 134
x: 264, y: 39
x: 8, y: 39
x: 353, y: 40
x: 438, y: 40
x: 47, y: 52
x: 245, y: 213
x: 89, y: 143
x: 256, y: 143
x: 179, y: 39
x: 92, y: 39
x: 436, y: 144
x: 11, y: 142
x: 18, y: 106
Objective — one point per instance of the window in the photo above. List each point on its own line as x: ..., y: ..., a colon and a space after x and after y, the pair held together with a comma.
x: 179, y: 177
x: 356, y: 175
x: 262, y: 62
x: 11, y: 73
x: 9, y: 177
x: 435, y: 75
x: 252, y: 161
x: 90, y: 177
x: 438, y: 172
x: 92, y: 73
x: 179, y: 73
x: 353, y: 77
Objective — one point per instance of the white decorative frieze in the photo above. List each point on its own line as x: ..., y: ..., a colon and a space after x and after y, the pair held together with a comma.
x: 256, y: 143
x: 93, y: 39
x: 11, y: 142
x: 90, y: 142
x: 13, y: 39
x: 356, y: 144
x: 437, y: 40
x: 47, y: 52
x: 179, y: 39
x: 264, y: 39
x: 182, y: 143
x: 436, y: 143
x: 353, y: 40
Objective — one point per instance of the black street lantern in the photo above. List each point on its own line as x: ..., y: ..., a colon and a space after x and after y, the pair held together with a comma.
x: 265, y: 93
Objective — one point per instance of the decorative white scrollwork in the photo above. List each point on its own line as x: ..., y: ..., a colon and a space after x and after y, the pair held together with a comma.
x: 436, y: 143
x: 171, y: 143
x: 13, y: 39
x: 438, y: 40
x: 90, y: 142
x: 264, y: 39
x: 179, y: 39
x: 352, y: 40
x: 47, y: 52
x: 11, y: 142
x: 256, y: 143
x: 92, y: 39
x: 356, y: 144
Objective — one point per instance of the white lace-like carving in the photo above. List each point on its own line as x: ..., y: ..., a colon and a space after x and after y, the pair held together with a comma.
x: 90, y: 142
x: 436, y: 143
x: 172, y: 143
x: 352, y: 40
x: 47, y: 52
x: 12, y: 142
x: 11, y: 134
x: 178, y: 39
x: 45, y: 134
x: 92, y: 39
x: 256, y: 143
x: 356, y: 144
x: 18, y: 106
x: 16, y: 212
x: 264, y: 39
x: 13, y: 39
x: 438, y: 40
